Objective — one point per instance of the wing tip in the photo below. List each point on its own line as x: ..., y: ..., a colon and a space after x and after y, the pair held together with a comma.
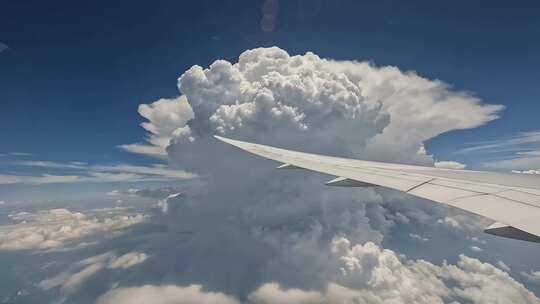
x: 220, y: 137
x: 226, y: 140
x: 510, y: 232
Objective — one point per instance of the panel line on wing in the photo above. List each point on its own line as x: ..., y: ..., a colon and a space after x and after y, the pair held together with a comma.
x: 514, y: 200
x: 521, y: 190
x: 420, y: 185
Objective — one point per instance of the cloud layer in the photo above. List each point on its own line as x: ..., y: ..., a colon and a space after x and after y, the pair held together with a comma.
x: 70, y: 281
x: 82, y: 172
x: 57, y: 227
x: 246, y: 233
x: 367, y: 274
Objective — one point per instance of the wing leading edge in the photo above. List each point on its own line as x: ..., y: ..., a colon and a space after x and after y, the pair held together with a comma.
x: 511, y: 200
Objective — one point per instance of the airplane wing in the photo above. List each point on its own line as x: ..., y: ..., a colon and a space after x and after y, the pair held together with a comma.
x: 512, y: 200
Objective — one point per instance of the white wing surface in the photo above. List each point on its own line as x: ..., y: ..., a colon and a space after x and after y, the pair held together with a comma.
x: 511, y: 200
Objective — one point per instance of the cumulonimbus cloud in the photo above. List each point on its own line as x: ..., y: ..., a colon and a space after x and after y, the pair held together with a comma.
x: 379, y: 112
x: 282, y: 234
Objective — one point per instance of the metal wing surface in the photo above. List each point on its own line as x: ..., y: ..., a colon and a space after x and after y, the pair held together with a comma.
x: 511, y: 200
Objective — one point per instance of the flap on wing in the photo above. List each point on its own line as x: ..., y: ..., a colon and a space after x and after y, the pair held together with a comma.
x: 347, y: 182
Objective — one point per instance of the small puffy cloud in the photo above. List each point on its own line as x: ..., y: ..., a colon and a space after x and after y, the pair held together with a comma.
x: 450, y: 165
x: 165, y: 294
x: 449, y: 221
x: 533, y: 276
x: 271, y: 293
x: 418, y: 237
x: 56, y: 227
x: 476, y: 239
x: 476, y: 249
x: 3, y: 47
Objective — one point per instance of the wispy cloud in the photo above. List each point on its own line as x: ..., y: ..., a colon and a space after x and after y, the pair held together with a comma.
x: 42, y: 179
x: 518, y: 152
x: 523, y: 142
x: 3, y: 47
x: 21, y: 154
x: 82, y: 172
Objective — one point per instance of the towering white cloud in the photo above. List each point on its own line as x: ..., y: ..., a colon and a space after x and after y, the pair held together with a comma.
x: 419, y: 108
x: 166, y: 118
x: 299, y: 100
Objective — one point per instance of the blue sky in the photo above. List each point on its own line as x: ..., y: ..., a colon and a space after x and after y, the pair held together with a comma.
x: 73, y: 74
x: 91, y: 221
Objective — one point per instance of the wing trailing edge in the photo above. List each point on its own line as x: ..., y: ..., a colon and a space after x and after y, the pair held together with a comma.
x: 513, y: 199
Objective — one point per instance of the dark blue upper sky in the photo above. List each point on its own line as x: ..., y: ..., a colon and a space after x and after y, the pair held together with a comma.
x: 74, y: 72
